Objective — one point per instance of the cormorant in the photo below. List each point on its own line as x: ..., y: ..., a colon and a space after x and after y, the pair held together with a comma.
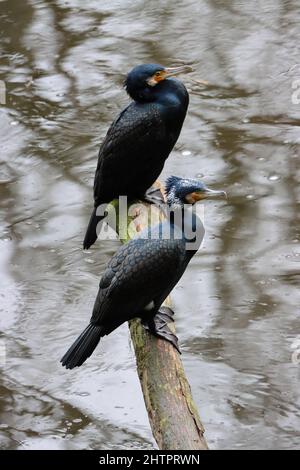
x: 139, y: 141
x: 143, y: 272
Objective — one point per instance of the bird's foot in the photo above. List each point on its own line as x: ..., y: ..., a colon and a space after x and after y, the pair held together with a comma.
x: 155, y: 196
x: 158, y: 326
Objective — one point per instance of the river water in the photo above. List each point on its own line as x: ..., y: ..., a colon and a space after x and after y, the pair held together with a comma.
x: 237, y: 306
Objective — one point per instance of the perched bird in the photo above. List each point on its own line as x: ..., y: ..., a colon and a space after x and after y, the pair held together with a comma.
x: 143, y: 272
x: 138, y: 142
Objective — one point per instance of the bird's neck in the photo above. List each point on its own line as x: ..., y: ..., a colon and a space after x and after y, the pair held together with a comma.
x: 170, y: 93
x: 186, y: 224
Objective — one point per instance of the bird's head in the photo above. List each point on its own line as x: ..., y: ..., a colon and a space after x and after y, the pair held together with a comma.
x: 180, y: 191
x: 142, y: 79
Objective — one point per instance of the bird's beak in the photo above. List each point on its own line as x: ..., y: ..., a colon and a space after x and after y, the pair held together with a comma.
x: 172, y: 71
x: 212, y: 194
x: 205, y: 194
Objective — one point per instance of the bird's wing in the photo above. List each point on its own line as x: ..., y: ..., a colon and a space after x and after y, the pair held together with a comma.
x: 133, y: 136
x: 140, y: 272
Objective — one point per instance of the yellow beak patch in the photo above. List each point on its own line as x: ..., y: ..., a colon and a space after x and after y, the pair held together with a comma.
x: 193, y: 197
x: 157, y: 77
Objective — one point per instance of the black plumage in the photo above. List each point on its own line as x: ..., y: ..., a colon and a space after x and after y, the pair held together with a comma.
x: 138, y: 142
x: 143, y: 272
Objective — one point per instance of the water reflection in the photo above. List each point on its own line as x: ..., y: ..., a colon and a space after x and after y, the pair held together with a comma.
x: 237, y: 306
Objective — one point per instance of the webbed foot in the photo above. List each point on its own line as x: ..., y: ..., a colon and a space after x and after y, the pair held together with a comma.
x: 155, y: 196
x: 158, y: 326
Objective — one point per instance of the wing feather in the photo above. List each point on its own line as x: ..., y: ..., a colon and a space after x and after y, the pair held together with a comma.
x: 138, y: 273
x: 132, y: 142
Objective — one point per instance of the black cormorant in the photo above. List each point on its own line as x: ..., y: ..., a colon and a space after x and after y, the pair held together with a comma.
x: 143, y: 272
x: 138, y: 142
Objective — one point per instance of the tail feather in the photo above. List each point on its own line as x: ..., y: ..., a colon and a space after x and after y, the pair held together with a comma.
x: 91, y: 232
x: 83, y: 347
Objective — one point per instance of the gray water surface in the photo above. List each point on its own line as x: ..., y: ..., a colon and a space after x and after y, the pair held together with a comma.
x: 237, y: 306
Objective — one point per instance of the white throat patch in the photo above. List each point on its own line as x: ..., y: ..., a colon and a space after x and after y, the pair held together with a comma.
x: 151, y: 81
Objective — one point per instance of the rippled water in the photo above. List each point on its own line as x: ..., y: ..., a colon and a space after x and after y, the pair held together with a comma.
x: 237, y: 306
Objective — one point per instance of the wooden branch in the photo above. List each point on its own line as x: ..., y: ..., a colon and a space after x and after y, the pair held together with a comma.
x: 173, y: 415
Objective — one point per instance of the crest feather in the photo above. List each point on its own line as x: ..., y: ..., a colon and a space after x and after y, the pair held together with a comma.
x: 171, y: 181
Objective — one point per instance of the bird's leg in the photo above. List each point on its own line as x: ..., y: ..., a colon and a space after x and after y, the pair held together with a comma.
x: 158, y: 326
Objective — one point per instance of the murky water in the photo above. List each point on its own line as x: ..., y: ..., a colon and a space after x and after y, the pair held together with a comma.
x: 238, y: 305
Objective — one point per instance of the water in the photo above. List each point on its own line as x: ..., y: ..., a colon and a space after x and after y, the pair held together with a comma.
x: 237, y: 306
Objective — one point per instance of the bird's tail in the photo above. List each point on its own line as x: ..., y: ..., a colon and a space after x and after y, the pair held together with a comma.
x: 83, y: 347
x: 91, y: 232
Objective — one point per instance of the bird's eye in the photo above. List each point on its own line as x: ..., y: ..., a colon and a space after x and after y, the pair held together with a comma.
x: 157, y: 74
